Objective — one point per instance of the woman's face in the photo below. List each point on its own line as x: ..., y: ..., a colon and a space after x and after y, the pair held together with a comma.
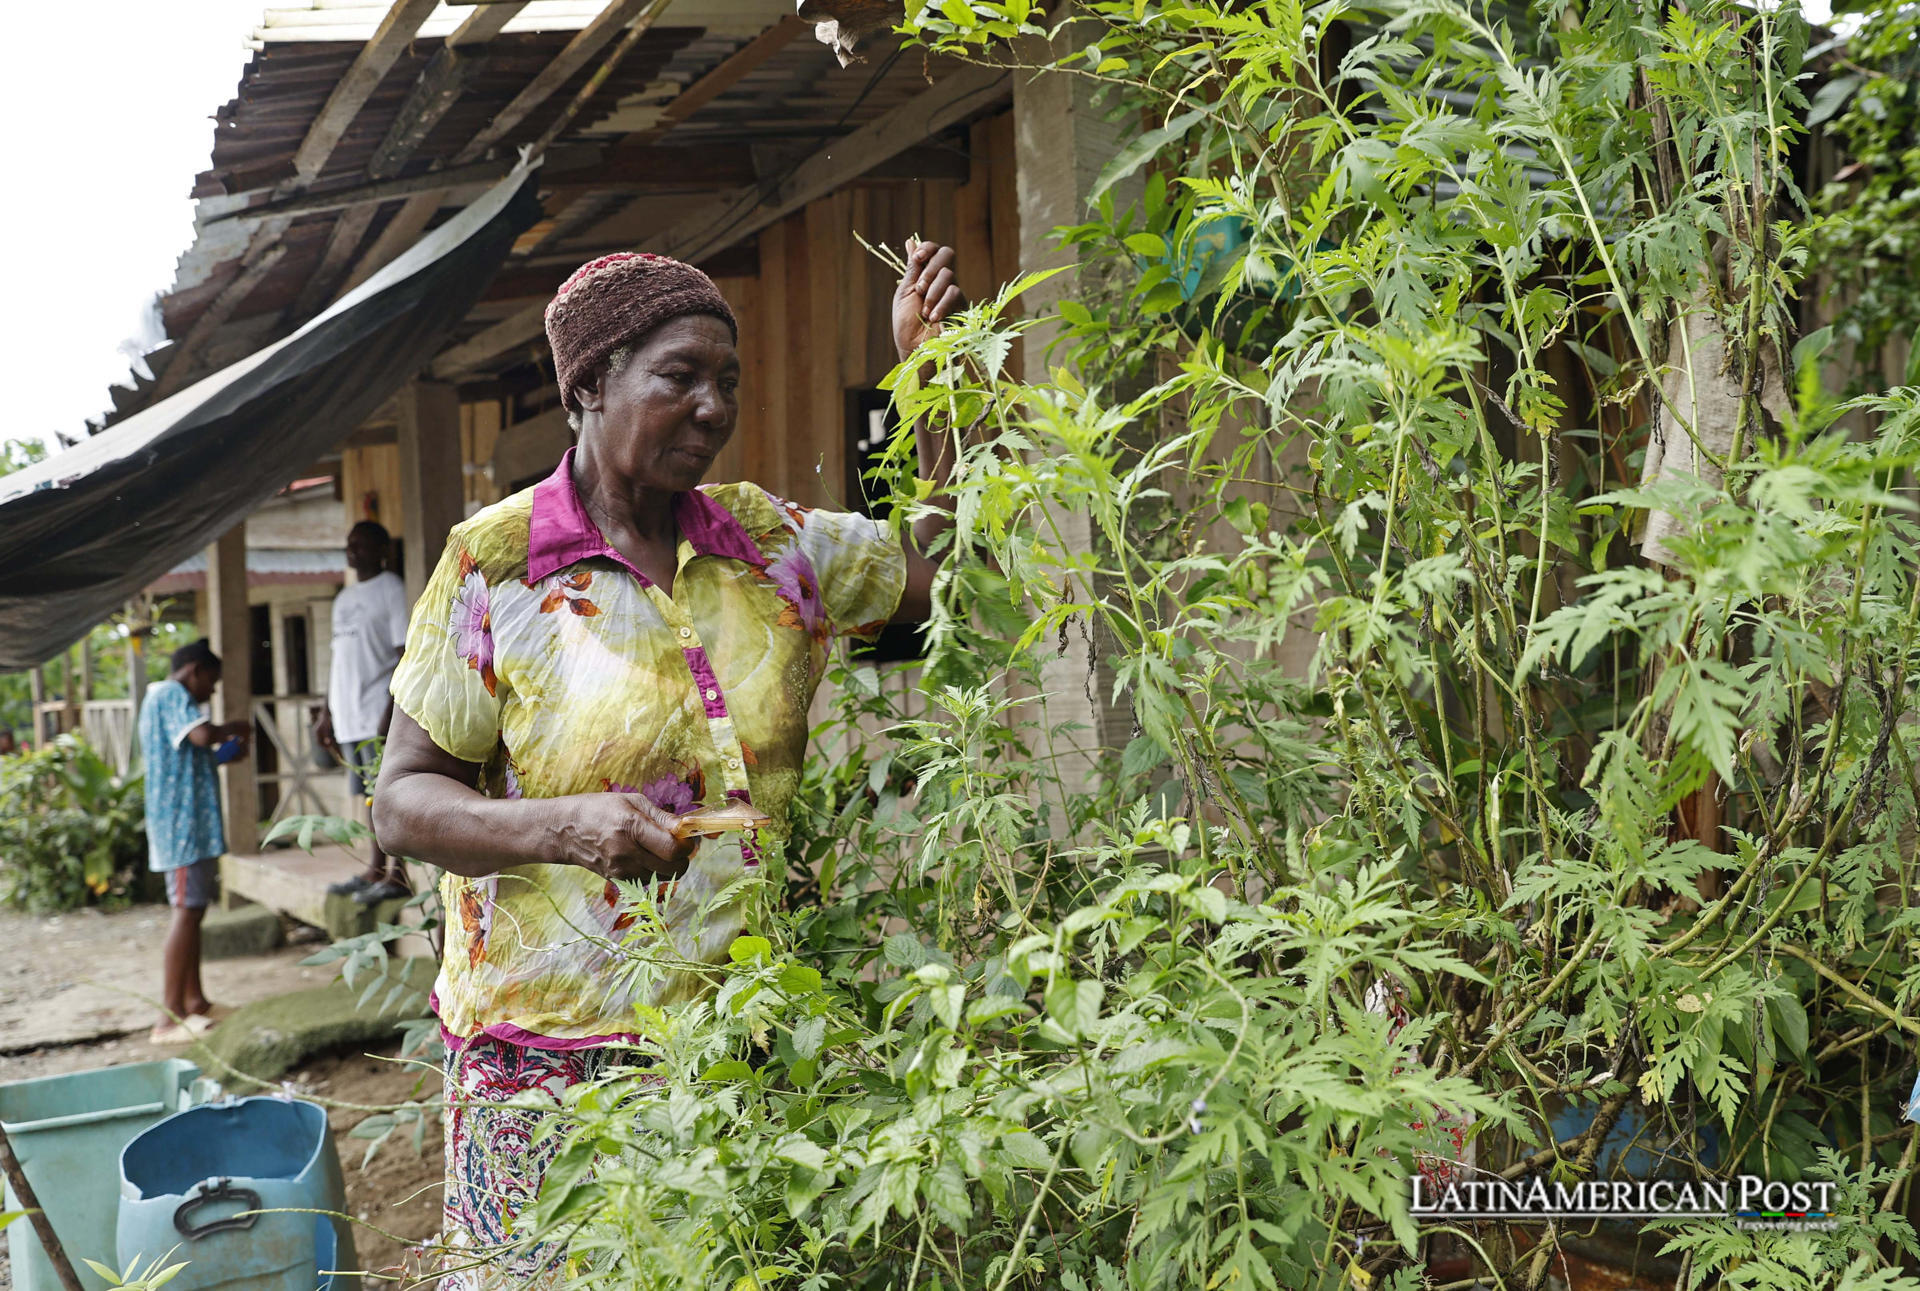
x: 666, y: 415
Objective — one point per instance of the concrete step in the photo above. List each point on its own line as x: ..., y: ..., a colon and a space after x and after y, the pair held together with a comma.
x: 231, y: 933
x: 295, y: 882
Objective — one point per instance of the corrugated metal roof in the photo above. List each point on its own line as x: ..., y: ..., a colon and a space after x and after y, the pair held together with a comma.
x: 797, y: 99
x: 356, y: 20
x: 266, y: 566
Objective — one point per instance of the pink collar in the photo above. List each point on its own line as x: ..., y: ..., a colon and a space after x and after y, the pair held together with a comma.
x: 561, y: 532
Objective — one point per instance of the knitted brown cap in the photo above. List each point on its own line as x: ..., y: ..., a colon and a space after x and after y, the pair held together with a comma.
x: 619, y: 298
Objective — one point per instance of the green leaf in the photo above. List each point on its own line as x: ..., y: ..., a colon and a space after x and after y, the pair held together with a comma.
x: 1137, y: 153
x: 1143, y: 754
x: 1074, y: 1005
x: 903, y: 950
x: 808, y: 1036
x: 802, y: 1151
x: 1024, y: 1149
x: 945, y: 1189
x: 1831, y: 97
x: 1147, y: 244
x: 746, y: 949
x: 111, y: 1275
x: 1811, y: 346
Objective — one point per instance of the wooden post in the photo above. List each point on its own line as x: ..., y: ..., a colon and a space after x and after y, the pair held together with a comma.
x: 432, y: 483
x: 37, y: 695
x: 233, y: 701
x: 42, y: 1227
x: 137, y: 629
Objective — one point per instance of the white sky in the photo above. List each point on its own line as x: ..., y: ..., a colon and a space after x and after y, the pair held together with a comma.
x: 112, y: 103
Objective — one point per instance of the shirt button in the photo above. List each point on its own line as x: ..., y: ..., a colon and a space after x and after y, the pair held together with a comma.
x: 686, y: 632
x: 712, y: 693
x: 733, y: 764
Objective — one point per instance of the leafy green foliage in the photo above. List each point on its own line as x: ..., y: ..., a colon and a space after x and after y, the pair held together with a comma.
x: 70, y: 829
x: 1441, y: 809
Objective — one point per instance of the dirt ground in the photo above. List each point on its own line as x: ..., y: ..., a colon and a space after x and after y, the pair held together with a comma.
x: 73, y: 992
x: 89, y: 975
x: 399, y: 1190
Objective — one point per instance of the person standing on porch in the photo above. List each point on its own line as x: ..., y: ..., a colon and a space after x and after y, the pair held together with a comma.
x: 369, y: 635
x: 592, y: 658
x: 180, y: 746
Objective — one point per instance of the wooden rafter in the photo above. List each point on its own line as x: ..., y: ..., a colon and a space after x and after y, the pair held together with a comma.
x: 180, y: 367
x: 362, y: 78
x: 725, y: 75
x: 722, y: 222
x: 587, y: 42
x: 440, y: 85
x: 727, y: 219
x: 385, y: 190
x: 411, y: 220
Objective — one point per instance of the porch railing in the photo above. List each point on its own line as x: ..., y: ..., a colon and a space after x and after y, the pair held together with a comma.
x: 298, y: 774
x: 108, y: 724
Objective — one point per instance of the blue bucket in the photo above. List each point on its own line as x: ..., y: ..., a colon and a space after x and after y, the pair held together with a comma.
x: 187, y: 1184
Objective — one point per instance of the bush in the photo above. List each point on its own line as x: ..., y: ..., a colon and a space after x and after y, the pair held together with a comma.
x: 1586, y: 798
x: 70, y: 829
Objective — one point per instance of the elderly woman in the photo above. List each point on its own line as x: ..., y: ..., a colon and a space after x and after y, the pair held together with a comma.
x: 592, y: 657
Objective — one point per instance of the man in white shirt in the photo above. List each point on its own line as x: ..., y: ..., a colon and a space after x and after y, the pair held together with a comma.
x: 369, y: 633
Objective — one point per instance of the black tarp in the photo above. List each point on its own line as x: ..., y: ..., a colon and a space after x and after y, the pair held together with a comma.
x: 89, y: 527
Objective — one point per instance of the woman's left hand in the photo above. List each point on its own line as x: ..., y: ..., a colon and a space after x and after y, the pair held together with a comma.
x: 926, y: 295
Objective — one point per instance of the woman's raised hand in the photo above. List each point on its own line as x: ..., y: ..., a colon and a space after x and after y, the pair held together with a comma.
x: 926, y: 295
x: 623, y: 836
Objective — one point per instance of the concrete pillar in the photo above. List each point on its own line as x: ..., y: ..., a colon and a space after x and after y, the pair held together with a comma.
x: 1061, y: 143
x: 432, y: 481
x: 232, y: 635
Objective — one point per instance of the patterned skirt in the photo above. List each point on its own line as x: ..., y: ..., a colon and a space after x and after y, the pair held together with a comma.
x: 494, y: 1167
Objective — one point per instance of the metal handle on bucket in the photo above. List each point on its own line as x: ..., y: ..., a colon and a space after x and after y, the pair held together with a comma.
x: 211, y: 1191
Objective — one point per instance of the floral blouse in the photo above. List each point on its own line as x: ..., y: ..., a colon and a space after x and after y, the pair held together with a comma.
x: 540, y: 653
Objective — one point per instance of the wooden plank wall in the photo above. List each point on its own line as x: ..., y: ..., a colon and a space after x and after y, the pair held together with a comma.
x: 816, y: 322
x: 372, y: 469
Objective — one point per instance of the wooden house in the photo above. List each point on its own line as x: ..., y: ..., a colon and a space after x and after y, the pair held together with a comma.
x: 733, y: 134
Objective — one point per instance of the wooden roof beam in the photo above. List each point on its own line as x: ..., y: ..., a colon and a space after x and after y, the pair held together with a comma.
x: 725, y: 74
x: 587, y: 42
x: 727, y: 219
x: 386, y: 190
x: 440, y: 85
x: 356, y: 86
x: 411, y: 220
x: 183, y: 362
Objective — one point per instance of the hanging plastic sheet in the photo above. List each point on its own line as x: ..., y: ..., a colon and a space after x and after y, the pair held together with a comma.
x: 86, y: 529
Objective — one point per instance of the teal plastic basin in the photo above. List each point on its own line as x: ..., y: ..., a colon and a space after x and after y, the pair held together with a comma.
x: 68, y: 1132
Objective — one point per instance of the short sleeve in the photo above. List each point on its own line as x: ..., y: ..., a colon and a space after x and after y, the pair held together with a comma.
x: 861, y: 566
x: 178, y: 715
x: 446, y: 680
